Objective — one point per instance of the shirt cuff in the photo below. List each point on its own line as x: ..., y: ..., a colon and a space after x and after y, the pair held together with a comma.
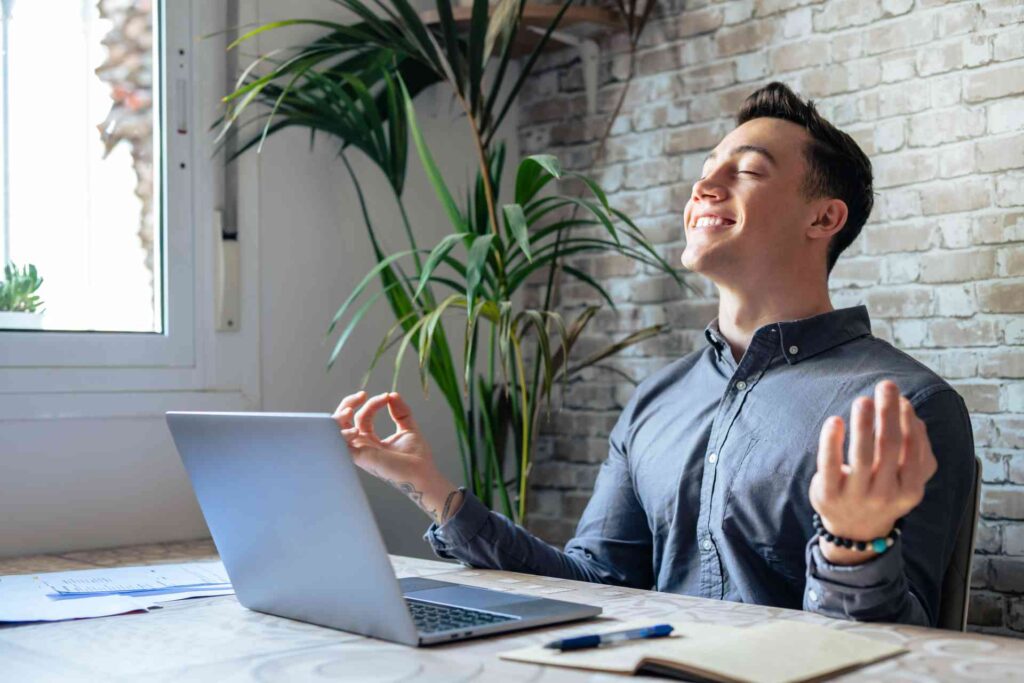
x: 863, y: 591
x: 460, y: 529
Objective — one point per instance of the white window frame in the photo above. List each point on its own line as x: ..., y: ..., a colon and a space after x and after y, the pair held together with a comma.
x: 175, y: 347
x: 107, y: 374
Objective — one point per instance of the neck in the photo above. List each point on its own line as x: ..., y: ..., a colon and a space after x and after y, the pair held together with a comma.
x: 741, y: 311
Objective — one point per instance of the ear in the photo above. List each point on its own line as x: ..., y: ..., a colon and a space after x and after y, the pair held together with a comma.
x: 830, y: 218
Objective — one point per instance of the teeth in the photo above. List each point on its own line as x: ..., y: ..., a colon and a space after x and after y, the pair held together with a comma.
x: 710, y: 222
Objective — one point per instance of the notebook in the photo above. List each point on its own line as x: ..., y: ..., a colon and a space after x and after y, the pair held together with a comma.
x: 775, y: 652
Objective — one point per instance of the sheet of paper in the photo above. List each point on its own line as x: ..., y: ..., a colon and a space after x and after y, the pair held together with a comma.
x: 55, y: 596
x: 24, y: 598
x: 170, y: 597
x: 164, y: 577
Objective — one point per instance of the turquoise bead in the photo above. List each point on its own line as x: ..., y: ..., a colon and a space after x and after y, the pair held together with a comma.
x: 878, y: 545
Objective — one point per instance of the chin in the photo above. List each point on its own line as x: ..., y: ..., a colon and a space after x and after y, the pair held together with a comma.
x: 696, y: 259
x: 711, y: 263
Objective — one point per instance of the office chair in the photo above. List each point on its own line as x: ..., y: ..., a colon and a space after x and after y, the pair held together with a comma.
x: 956, y: 584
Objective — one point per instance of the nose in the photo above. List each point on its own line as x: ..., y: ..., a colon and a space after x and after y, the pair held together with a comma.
x: 707, y: 187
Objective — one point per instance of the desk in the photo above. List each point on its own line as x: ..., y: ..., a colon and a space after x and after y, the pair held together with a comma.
x: 216, y: 639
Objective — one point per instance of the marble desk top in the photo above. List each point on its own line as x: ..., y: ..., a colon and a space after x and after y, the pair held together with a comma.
x: 216, y: 639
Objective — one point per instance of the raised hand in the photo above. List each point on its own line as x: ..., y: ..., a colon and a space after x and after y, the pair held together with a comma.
x: 890, y: 462
x: 403, y: 459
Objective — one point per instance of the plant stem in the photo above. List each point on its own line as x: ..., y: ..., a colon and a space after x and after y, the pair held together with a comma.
x: 555, y: 264
x: 485, y: 172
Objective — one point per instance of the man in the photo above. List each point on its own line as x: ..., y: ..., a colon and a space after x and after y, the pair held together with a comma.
x: 720, y: 460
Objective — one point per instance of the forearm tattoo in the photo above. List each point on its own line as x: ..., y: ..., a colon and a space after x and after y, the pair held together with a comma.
x: 414, y: 494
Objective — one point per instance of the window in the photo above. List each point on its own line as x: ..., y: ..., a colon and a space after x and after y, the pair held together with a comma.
x: 95, y: 191
x: 91, y: 146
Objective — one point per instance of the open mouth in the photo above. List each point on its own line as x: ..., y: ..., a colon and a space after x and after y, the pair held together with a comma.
x: 712, y: 223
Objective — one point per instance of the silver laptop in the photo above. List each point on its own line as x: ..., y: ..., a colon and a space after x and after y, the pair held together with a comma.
x: 291, y: 522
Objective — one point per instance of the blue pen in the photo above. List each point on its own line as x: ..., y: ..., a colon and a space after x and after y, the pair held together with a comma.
x: 598, y: 639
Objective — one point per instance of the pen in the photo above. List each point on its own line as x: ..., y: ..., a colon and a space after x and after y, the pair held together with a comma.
x: 598, y: 639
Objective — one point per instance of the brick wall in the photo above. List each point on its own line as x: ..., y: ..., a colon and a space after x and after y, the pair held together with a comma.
x: 934, y: 93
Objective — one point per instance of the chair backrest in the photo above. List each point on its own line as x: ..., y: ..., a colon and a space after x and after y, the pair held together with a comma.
x: 956, y: 584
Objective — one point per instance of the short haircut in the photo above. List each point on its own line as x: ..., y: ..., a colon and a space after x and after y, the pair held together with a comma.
x: 836, y: 165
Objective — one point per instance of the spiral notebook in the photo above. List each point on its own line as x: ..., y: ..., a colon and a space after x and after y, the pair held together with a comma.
x: 780, y: 651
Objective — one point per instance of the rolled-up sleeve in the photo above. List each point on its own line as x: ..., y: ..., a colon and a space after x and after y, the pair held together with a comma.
x: 904, y: 583
x: 612, y: 543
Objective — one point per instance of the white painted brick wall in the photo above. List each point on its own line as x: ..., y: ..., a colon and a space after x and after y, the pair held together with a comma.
x: 934, y: 93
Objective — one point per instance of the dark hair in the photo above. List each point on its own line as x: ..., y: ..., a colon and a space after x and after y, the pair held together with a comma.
x: 836, y: 165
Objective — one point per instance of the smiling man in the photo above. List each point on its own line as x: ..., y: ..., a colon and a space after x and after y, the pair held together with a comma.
x: 795, y: 460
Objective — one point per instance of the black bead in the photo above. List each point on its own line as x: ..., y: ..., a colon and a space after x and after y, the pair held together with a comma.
x: 861, y: 545
x: 847, y: 543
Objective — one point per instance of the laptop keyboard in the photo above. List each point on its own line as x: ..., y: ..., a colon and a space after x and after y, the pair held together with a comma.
x: 431, y: 617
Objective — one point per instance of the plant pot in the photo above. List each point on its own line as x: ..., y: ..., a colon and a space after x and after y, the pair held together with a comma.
x: 17, y: 320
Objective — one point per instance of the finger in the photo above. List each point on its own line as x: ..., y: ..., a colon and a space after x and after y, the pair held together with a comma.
x: 401, y: 413
x: 351, y: 401
x: 862, y: 447
x: 909, y: 446
x: 344, y: 417
x: 364, y: 418
x: 830, y: 455
x: 888, y: 433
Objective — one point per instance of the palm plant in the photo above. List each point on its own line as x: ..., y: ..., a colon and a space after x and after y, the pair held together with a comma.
x: 356, y: 83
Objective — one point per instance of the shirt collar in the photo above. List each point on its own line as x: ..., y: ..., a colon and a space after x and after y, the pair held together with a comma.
x: 806, y: 337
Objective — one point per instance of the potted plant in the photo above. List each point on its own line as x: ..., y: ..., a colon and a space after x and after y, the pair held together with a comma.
x: 20, y: 306
x: 356, y: 83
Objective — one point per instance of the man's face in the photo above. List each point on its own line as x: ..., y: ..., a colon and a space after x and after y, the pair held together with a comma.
x: 751, y: 180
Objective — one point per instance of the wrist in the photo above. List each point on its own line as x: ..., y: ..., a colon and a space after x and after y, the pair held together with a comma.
x: 441, y: 497
x: 860, y: 529
x: 841, y: 549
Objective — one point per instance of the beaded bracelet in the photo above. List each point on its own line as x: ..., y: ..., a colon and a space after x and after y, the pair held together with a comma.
x: 879, y: 545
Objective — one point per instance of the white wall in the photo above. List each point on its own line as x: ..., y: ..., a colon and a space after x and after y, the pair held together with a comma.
x: 71, y: 481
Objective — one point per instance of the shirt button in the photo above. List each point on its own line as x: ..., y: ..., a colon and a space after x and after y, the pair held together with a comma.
x: 812, y: 595
x: 794, y: 349
x: 713, y: 458
x: 741, y: 385
x: 706, y: 544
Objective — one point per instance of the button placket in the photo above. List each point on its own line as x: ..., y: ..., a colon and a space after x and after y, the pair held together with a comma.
x: 753, y: 364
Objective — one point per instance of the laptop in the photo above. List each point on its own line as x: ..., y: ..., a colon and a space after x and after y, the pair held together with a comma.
x: 283, y: 502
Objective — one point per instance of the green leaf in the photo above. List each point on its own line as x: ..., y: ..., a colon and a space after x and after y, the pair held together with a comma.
x: 433, y: 173
x: 515, y: 222
x: 406, y: 340
x: 437, y: 255
x: 635, y: 338
x: 356, y: 317
x: 579, y: 275
x: 524, y: 72
x: 280, y: 24
x: 475, y: 263
x: 365, y: 281
x: 476, y: 58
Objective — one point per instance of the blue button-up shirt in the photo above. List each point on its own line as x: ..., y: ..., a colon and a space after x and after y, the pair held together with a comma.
x: 705, y: 488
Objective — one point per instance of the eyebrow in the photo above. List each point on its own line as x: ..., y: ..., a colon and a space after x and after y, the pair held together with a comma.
x: 740, y: 149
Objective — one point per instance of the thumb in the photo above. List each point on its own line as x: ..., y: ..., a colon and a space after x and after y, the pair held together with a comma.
x: 401, y: 413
